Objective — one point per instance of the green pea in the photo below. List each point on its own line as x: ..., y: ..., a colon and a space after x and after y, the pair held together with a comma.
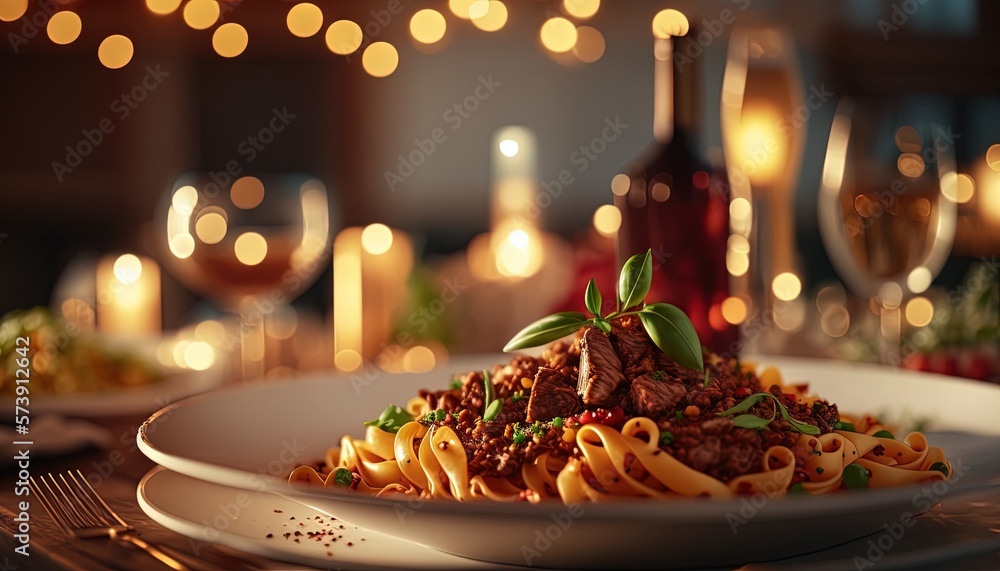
x: 343, y: 477
x: 843, y: 426
x: 855, y: 476
x: 666, y: 437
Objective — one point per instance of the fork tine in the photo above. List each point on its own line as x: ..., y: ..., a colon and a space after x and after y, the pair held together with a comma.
x: 64, y: 504
x: 97, y: 503
x: 84, y: 505
x: 49, y: 507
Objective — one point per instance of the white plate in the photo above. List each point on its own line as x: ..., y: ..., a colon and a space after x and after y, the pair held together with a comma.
x: 174, y: 386
x: 250, y: 436
x: 210, y: 513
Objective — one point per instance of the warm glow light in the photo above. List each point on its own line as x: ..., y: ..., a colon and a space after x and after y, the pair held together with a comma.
x: 908, y: 139
x: 210, y: 331
x: 582, y: 9
x: 517, y: 257
x: 347, y: 360
x: 964, y: 189
x: 734, y: 310
x: 509, y: 147
x: 128, y: 268
x: 162, y: 7
x: 178, y: 352
x: 740, y: 209
x: 418, y: 359
x: 229, y: 40
x: 919, y: 279
x: 488, y: 15
x: 182, y: 245
x: 660, y: 192
x: 607, y: 220
x: 304, y: 20
x: 993, y: 157
x: 790, y: 315
x: 620, y: 184
x: 247, y: 192
x: 201, y: 14
x: 64, y: 27
x: 919, y: 311
x: 761, y: 150
x: 737, y: 263
x: 988, y: 187
x: 376, y: 239
x: 184, y: 200
x: 668, y: 23
x: 738, y: 243
x: 380, y: 59
x: 428, y: 26
x: 198, y: 355
x: 786, y: 286
x: 519, y: 239
x: 344, y: 37
x: 910, y: 164
x: 461, y: 8
x: 836, y: 321
x: 211, y: 227
x: 558, y: 35
x: 251, y: 248
x: 590, y: 44
x: 115, y: 51
x: 11, y: 10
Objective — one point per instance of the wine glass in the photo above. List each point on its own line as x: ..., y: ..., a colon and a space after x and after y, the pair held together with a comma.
x: 885, y: 215
x: 252, y: 244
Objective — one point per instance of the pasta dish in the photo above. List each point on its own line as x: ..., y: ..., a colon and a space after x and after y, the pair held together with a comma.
x: 620, y: 406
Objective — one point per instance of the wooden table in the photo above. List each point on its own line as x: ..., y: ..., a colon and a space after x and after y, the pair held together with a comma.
x: 115, y: 472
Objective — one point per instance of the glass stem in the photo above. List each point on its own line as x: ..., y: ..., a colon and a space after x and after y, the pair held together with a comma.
x: 890, y: 324
x: 251, y: 341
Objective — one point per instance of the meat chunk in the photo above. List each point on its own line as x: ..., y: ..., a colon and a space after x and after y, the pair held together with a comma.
x: 655, y: 395
x: 600, y: 369
x: 551, y: 396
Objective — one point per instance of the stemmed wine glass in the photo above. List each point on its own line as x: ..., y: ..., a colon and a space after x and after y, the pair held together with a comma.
x: 251, y: 245
x: 885, y: 214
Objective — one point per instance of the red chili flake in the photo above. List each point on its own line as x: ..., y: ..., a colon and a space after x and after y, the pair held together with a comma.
x: 350, y: 544
x: 298, y: 533
x: 297, y: 540
x: 269, y: 536
x: 291, y: 518
x: 879, y: 450
x: 287, y: 535
x: 743, y: 392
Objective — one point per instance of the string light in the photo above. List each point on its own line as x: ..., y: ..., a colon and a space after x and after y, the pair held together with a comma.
x: 343, y: 37
x: 201, y: 14
x: 229, y: 40
x: 558, y: 35
x: 304, y: 20
x: 162, y: 7
x: 380, y: 59
x: 428, y: 26
x: 115, y: 51
x: 64, y: 27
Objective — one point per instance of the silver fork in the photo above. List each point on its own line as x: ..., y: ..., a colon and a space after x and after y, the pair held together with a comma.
x: 82, y: 514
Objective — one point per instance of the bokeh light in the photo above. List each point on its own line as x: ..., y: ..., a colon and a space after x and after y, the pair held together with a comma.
x: 376, y: 239
x: 201, y: 14
x: 919, y: 311
x: 229, y: 40
x: 428, y: 26
x: 509, y: 147
x: 11, y: 10
x: 64, y: 27
x: 607, y: 220
x: 304, y: 20
x: 247, y: 192
x: 590, y: 44
x: 620, y: 184
x: 488, y: 15
x: 211, y: 227
x: 128, y: 268
x: 115, y: 51
x: 344, y: 37
x: 786, y: 286
x: 250, y: 248
x: 198, y: 355
x: 734, y: 310
x: 582, y: 9
x: 461, y: 8
x: 380, y: 59
x: 669, y: 23
x: 162, y: 7
x: 558, y: 35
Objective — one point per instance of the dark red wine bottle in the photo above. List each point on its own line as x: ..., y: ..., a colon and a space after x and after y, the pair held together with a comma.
x: 677, y: 205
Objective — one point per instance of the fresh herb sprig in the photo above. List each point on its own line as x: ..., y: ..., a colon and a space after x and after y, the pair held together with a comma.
x: 668, y: 326
x: 491, y: 404
x: 754, y: 421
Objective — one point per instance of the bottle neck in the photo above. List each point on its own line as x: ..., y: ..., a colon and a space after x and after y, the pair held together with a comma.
x: 675, y: 109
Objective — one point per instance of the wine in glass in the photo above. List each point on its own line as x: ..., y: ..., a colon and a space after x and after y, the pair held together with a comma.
x: 885, y: 214
x: 251, y: 246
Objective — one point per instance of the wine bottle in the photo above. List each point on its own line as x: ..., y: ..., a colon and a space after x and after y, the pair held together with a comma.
x: 677, y: 205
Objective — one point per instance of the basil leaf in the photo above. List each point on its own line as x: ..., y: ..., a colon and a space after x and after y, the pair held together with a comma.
x: 750, y: 421
x: 803, y: 427
x: 593, y: 298
x: 673, y: 333
x: 489, y: 394
x: 633, y: 283
x: 746, y: 405
x: 548, y: 329
x: 391, y: 420
x: 602, y: 324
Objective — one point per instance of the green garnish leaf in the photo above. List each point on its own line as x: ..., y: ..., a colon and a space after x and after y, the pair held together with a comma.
x: 440, y: 415
x: 602, y: 324
x: 557, y: 422
x: 884, y: 434
x: 593, y: 299
x: 940, y: 467
x: 517, y: 396
x: 678, y: 416
x: 666, y: 437
x: 751, y: 421
x: 493, y: 410
x: 391, y: 420
x: 548, y: 329
x: 708, y: 379
x: 537, y: 427
x: 750, y: 401
x: 633, y: 283
x: 519, y: 436
x: 343, y: 477
x: 673, y: 333
x: 855, y: 476
x: 658, y: 375
x: 455, y: 384
x: 847, y: 426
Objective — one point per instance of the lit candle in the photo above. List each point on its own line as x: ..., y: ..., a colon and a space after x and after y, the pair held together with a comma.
x: 128, y: 295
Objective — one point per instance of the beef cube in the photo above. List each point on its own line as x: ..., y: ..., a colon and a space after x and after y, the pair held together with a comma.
x: 654, y: 397
x: 551, y: 396
x: 600, y: 370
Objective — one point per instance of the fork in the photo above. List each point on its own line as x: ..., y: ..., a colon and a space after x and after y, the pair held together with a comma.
x: 82, y: 514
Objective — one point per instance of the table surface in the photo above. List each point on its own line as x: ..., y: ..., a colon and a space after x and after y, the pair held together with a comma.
x: 118, y: 470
